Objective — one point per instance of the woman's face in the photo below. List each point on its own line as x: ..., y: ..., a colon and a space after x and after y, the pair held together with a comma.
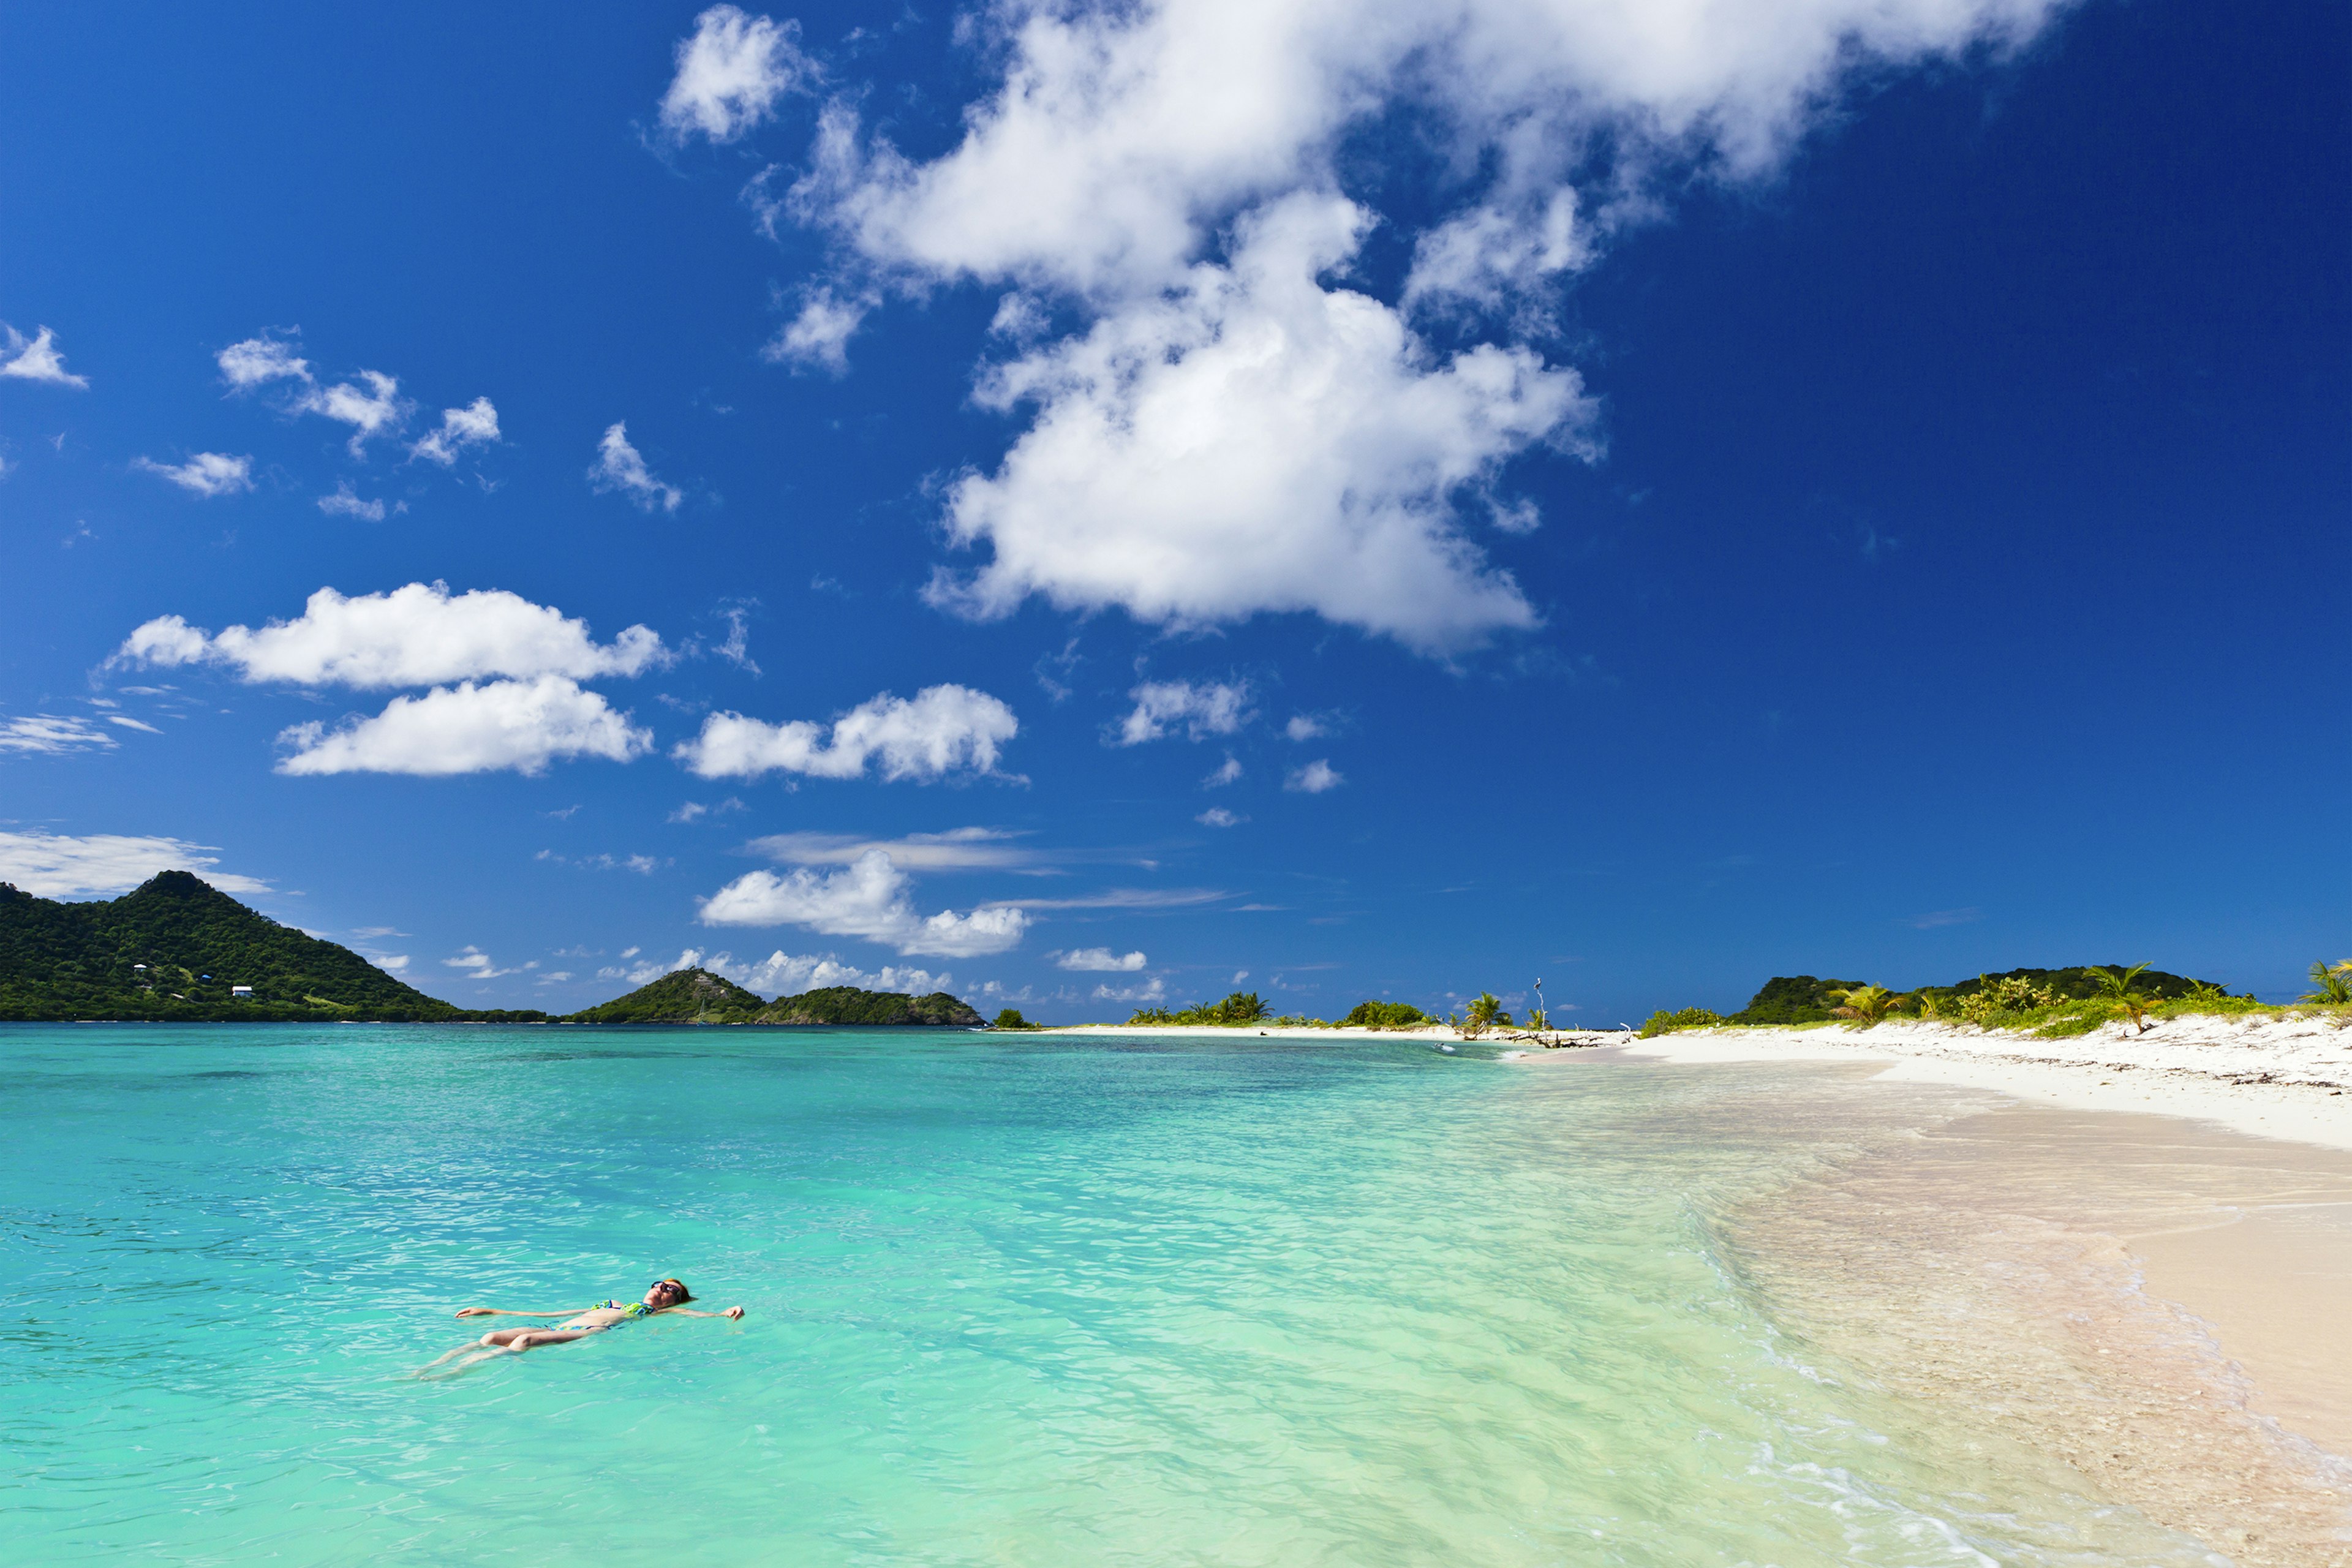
x: 665, y: 1294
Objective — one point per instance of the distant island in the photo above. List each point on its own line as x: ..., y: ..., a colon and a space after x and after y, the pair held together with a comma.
x: 178, y: 950
x: 698, y: 996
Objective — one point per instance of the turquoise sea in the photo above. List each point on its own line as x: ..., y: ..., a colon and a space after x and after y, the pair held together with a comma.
x: 1009, y: 1302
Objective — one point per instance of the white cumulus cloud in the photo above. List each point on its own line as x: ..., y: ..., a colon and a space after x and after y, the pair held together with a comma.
x: 870, y: 899
x: 942, y: 729
x: 256, y: 361
x: 621, y: 469
x: 521, y: 725
x: 1204, y: 709
x: 1256, y: 443
x: 1218, y: 816
x: 476, y: 423
x: 730, y: 73
x: 58, y: 866
x: 1314, y: 778
x: 1099, y: 960
x: 420, y: 634
x: 205, y: 474
x: 370, y: 411
x: 1231, y: 432
x: 37, y: 360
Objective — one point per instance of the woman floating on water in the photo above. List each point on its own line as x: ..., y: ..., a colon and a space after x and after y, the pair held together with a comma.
x: 664, y: 1298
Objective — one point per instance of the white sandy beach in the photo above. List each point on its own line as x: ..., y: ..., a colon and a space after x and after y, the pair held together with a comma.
x: 2260, y: 1074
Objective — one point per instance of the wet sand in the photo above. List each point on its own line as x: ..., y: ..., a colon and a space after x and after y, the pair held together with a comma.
x: 2163, y: 1305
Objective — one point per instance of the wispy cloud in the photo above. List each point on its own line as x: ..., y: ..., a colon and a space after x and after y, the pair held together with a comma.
x: 51, y: 734
x: 476, y: 964
x: 346, y: 502
x: 38, y: 360
x: 957, y: 849
x: 58, y: 866
x: 1123, y: 899
x: 475, y: 425
x: 620, y: 468
x: 1935, y: 918
x: 371, y: 411
x: 205, y: 474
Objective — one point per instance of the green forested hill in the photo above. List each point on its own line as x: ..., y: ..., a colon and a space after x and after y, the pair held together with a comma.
x: 698, y: 996
x: 681, y: 997
x: 61, y: 961
x: 847, y: 1005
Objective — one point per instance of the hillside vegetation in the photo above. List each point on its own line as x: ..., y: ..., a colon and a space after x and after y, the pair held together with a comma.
x: 698, y: 996
x: 2053, y: 1003
x: 171, y: 949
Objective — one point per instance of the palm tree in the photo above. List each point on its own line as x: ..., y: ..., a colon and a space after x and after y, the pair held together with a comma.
x: 2330, y: 982
x: 1863, y: 1004
x: 1242, y: 1008
x: 2116, y: 989
x: 1481, y: 1016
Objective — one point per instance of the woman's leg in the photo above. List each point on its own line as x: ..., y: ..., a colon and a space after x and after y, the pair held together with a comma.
x: 522, y: 1340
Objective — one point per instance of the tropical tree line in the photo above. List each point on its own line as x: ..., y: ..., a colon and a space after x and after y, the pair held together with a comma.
x: 2054, y: 1004
x: 1246, y: 1008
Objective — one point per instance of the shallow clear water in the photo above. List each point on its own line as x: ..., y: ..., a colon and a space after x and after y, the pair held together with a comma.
x: 1009, y: 1302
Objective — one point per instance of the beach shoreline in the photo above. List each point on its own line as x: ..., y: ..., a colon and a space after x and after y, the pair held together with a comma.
x: 2161, y: 1225
x: 2263, y: 1075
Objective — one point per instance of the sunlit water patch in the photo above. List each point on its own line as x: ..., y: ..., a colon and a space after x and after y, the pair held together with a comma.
x: 1008, y: 1302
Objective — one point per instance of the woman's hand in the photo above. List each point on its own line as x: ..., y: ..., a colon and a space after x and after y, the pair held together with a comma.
x: 732, y: 1312
x: 476, y: 1312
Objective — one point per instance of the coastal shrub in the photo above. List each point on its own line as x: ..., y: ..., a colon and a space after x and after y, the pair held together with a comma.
x: 1011, y: 1018
x: 1368, y: 1014
x: 1297, y: 1021
x: 2065, y: 1022
x: 2208, y: 999
x: 1483, y: 1013
x: 1863, y: 1004
x: 2330, y: 983
x: 2000, y: 999
x: 1664, y: 1023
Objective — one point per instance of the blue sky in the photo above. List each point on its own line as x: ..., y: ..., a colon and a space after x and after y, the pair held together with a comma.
x: 1339, y: 499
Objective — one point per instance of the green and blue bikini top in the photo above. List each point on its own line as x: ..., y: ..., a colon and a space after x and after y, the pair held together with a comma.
x: 633, y: 1309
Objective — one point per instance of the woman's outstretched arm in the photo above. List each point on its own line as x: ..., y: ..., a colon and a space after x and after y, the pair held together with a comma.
x: 690, y: 1312
x: 509, y: 1312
